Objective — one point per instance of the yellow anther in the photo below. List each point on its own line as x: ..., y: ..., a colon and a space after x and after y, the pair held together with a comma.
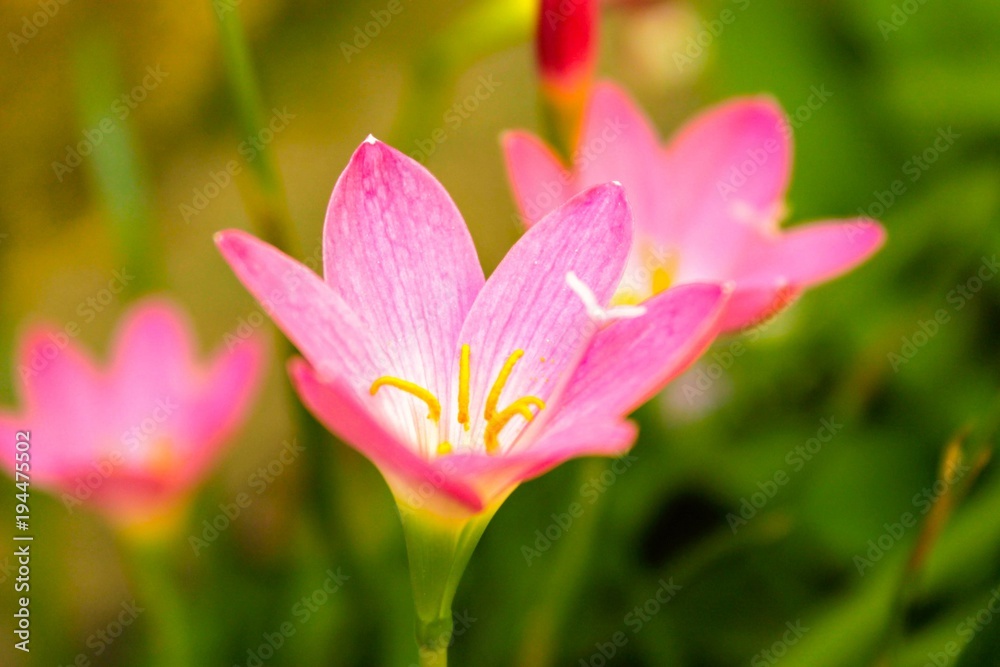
x: 497, y: 423
x: 463, y: 388
x: 444, y: 448
x: 521, y: 405
x: 433, y: 405
x: 494, y: 395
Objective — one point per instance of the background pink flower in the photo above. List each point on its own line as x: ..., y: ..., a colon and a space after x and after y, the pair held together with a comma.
x: 129, y: 437
x: 707, y: 206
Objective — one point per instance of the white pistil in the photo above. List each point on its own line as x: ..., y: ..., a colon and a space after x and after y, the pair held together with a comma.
x: 598, y: 314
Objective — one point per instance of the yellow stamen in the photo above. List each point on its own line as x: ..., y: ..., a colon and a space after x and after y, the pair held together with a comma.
x: 494, y: 395
x: 433, y: 405
x: 497, y: 423
x: 521, y: 405
x: 463, y: 388
x: 444, y: 448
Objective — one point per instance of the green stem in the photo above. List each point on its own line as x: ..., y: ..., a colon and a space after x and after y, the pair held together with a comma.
x: 439, y: 549
x: 114, y: 166
x: 268, y: 207
x: 544, y: 621
x: 168, y: 620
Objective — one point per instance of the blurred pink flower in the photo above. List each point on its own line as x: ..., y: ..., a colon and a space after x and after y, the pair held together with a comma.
x: 132, y: 437
x: 707, y: 206
x: 458, y: 388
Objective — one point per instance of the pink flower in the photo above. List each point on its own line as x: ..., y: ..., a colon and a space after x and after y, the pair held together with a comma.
x: 131, y: 437
x: 456, y: 387
x: 707, y: 206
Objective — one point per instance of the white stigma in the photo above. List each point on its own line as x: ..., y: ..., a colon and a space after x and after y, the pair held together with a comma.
x: 596, y: 313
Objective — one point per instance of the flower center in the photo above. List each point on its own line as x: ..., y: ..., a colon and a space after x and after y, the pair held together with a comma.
x: 650, y: 272
x: 495, y: 419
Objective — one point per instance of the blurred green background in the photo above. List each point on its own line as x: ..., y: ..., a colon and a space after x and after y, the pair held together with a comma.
x: 540, y: 590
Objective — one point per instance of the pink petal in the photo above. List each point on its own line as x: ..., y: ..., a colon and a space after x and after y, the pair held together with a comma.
x: 221, y: 402
x: 631, y: 360
x: 752, y: 304
x: 526, y: 304
x: 618, y: 143
x: 539, y: 181
x: 397, y: 251
x: 324, y: 328
x: 811, y: 254
x: 65, y: 399
x: 152, y: 358
x: 412, y: 478
x: 494, y: 476
x: 727, y: 171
